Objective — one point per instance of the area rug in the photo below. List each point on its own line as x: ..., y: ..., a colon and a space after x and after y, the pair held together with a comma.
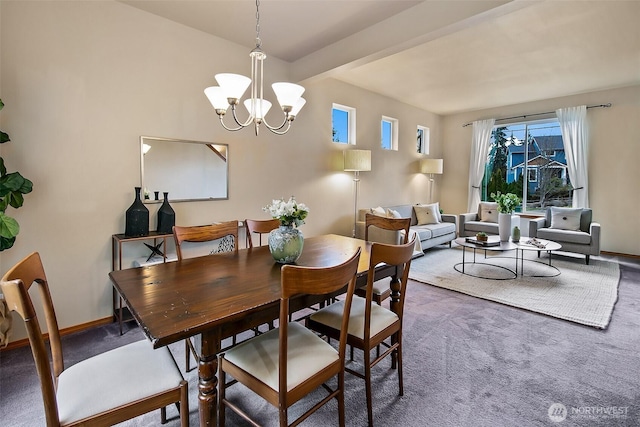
x: 581, y: 293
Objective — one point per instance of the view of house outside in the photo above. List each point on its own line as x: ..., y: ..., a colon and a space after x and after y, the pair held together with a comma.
x: 540, y: 162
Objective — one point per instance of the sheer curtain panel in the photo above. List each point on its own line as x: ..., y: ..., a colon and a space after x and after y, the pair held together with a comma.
x: 573, y: 123
x: 479, y: 151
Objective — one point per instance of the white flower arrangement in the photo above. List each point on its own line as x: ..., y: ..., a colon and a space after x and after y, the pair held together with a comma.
x: 288, y: 212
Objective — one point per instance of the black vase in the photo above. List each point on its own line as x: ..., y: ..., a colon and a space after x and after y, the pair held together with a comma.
x: 137, y: 218
x: 166, y: 216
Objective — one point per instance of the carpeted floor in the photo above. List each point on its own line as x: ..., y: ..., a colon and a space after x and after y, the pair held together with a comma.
x: 467, y: 362
x: 577, y: 292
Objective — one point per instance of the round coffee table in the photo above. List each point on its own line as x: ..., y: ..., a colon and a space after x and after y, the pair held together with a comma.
x: 537, y: 245
x: 493, y: 245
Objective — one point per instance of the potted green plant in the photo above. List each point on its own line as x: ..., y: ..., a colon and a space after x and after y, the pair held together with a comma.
x: 12, y: 188
x: 507, y: 203
x: 481, y: 236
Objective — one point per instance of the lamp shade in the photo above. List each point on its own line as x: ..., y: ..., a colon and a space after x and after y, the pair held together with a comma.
x: 431, y: 166
x: 357, y: 160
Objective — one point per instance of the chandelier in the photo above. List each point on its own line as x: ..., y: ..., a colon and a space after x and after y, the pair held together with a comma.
x: 231, y: 87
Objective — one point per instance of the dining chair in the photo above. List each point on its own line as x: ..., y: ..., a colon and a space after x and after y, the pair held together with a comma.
x: 259, y: 227
x: 382, y: 291
x: 289, y: 362
x: 200, y: 240
x: 371, y: 324
x: 103, y: 390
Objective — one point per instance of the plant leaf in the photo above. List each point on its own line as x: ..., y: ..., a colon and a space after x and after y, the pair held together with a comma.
x: 6, y: 243
x: 4, y: 137
x: 9, y: 227
x: 3, y: 170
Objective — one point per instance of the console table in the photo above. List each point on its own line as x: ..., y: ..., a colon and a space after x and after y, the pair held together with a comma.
x: 159, y: 247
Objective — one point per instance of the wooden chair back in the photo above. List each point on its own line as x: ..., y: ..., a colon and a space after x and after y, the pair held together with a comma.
x: 399, y: 256
x: 296, y: 280
x: 15, y: 285
x: 204, y: 233
x: 393, y: 224
x: 259, y: 227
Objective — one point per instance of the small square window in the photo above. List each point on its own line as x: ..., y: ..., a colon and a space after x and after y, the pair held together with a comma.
x: 423, y: 140
x: 343, y: 121
x: 389, y: 133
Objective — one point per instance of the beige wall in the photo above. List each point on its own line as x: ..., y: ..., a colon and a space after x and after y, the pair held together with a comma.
x: 614, y: 159
x: 83, y: 80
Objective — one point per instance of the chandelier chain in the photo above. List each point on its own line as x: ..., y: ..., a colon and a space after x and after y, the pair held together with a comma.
x: 258, y: 41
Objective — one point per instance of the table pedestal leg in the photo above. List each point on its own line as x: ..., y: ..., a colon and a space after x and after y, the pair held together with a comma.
x: 207, y: 379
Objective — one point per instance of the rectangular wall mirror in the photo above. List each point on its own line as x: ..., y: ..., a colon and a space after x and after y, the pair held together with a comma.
x: 187, y: 170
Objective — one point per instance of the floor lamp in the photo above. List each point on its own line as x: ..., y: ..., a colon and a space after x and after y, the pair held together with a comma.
x: 356, y: 161
x: 431, y: 167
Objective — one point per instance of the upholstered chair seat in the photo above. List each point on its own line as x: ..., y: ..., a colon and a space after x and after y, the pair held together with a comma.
x: 133, y: 372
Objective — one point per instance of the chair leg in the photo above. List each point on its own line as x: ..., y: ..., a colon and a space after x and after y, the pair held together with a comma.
x: 399, y: 359
x: 340, y: 397
x: 163, y: 415
x: 284, y: 420
x: 222, y: 381
x: 187, y: 356
x: 587, y: 259
x: 367, y: 381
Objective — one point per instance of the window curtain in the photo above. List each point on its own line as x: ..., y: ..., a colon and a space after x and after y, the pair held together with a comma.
x: 479, y: 151
x: 573, y: 123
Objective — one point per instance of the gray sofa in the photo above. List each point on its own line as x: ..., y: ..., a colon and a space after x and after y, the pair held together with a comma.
x: 585, y: 240
x: 429, y: 235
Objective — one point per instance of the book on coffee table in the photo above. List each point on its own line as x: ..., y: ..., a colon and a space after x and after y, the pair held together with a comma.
x: 491, y: 241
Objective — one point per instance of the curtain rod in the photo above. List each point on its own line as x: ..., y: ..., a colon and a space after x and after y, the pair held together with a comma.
x: 540, y: 114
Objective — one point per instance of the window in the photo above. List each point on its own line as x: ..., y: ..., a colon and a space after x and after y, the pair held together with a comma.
x: 423, y: 140
x: 389, y: 133
x: 534, y: 150
x: 343, y: 124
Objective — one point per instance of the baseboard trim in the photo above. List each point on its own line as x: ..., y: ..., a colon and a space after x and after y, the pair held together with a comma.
x: 632, y: 256
x: 66, y: 331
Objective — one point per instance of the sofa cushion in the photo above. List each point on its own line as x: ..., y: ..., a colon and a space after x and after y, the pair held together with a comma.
x: 476, y: 226
x: 379, y: 211
x: 565, y: 236
x: 392, y: 213
x: 488, y: 211
x: 424, y: 233
x: 427, y: 214
x: 565, y: 218
x: 585, y: 219
x: 437, y: 230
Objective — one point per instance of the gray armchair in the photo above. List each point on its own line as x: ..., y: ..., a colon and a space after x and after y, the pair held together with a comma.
x: 585, y: 240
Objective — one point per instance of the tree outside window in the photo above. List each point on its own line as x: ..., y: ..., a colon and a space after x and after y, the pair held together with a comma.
x: 534, y: 150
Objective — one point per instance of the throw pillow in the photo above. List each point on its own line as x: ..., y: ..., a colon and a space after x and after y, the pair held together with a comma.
x: 437, y: 207
x: 426, y: 214
x: 566, y: 218
x: 393, y: 214
x: 379, y: 211
x: 488, y: 212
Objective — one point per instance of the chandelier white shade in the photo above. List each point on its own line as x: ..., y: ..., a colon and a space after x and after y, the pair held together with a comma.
x: 231, y: 88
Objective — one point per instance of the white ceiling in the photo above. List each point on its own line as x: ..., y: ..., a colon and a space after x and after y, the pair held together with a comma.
x: 441, y: 56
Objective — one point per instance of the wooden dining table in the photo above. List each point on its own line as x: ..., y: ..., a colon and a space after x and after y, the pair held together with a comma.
x: 218, y: 296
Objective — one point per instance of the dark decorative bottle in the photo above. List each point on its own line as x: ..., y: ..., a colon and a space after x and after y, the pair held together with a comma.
x: 137, y: 218
x: 166, y: 216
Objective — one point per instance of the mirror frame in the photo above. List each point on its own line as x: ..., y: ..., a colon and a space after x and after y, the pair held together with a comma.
x: 145, y: 139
